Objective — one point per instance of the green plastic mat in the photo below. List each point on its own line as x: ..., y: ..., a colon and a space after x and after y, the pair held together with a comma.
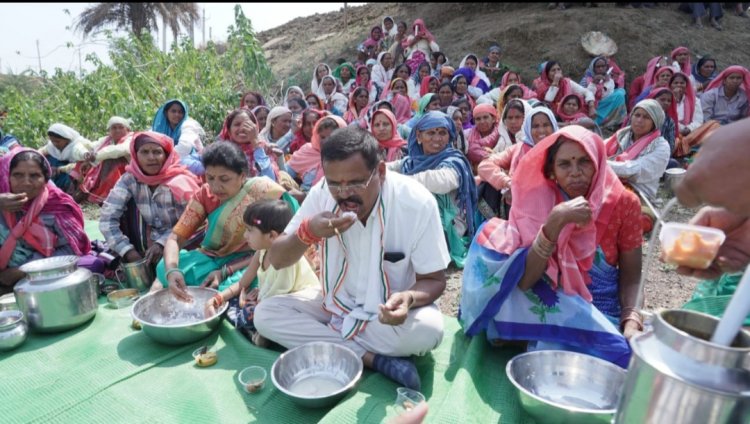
x: 106, y: 372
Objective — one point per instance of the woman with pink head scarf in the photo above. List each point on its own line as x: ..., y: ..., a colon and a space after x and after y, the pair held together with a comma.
x: 562, y: 272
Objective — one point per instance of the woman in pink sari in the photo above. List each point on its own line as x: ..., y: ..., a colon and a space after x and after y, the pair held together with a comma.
x: 305, y: 164
x: 37, y: 219
x: 384, y: 127
x: 397, y: 95
x: 483, y: 137
x: 358, y: 101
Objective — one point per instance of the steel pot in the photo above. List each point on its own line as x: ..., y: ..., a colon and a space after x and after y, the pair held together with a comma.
x: 56, y: 295
x: 677, y: 376
x: 13, y: 329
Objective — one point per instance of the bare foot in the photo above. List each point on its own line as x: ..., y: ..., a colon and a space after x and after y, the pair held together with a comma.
x: 260, y: 341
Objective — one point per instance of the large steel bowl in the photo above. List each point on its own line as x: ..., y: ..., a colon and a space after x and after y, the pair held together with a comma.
x: 566, y: 387
x: 170, y: 321
x: 317, y: 374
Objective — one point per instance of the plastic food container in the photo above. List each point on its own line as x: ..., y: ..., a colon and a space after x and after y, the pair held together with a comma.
x: 252, y: 379
x: 688, y: 245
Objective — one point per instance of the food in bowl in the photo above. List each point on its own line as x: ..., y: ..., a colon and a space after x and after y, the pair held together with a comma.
x: 692, y: 246
x: 252, y: 379
x: 204, y: 357
x: 122, y: 298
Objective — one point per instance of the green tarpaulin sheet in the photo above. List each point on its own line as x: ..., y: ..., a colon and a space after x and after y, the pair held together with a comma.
x: 105, y: 372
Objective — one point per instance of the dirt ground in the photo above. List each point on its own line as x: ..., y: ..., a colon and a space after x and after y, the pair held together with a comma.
x: 528, y: 33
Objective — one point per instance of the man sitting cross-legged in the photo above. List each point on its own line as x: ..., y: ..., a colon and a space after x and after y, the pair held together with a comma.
x: 382, y: 265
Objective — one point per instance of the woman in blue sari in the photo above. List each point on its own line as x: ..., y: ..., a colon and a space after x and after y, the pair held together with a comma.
x: 446, y: 172
x: 172, y: 120
x: 562, y: 272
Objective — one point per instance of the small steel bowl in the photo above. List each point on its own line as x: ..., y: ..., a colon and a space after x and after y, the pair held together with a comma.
x: 566, y: 387
x: 317, y: 374
x: 122, y: 298
x: 170, y: 321
x: 13, y: 329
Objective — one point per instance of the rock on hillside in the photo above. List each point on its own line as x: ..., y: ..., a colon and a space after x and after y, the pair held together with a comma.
x: 529, y: 34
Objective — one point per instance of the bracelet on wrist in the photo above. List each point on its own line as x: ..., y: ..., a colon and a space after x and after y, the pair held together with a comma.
x: 171, y: 270
x: 218, y: 299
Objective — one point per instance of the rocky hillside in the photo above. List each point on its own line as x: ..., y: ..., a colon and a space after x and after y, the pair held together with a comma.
x: 529, y: 34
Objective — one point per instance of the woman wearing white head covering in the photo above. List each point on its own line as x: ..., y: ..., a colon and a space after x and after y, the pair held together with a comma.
x: 278, y: 130
x: 64, y: 149
x: 320, y: 70
x: 638, y: 153
x: 294, y: 91
x: 382, y: 71
x: 108, y: 160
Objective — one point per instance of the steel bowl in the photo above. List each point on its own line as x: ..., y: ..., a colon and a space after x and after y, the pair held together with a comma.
x: 317, y: 374
x: 566, y: 387
x: 170, y: 321
x: 13, y: 329
x: 122, y: 298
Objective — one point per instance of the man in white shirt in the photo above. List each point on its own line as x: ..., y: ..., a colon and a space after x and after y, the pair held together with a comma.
x: 383, y: 261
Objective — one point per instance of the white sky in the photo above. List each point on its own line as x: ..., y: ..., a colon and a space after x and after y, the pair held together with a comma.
x: 23, y: 24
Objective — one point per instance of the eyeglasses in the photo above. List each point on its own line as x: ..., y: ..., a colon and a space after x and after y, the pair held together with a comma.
x: 339, y: 188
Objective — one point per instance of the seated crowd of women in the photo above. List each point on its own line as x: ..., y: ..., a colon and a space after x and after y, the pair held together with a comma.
x: 530, y: 195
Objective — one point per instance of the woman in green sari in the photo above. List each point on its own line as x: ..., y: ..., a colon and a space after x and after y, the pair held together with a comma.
x: 219, y: 204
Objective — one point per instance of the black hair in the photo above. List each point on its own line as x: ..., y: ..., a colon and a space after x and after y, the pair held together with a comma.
x: 235, y: 113
x: 227, y: 155
x: 565, y: 99
x: 268, y: 215
x: 549, y: 66
x: 387, y: 18
x: 513, y: 87
x: 344, y: 143
x: 301, y: 102
x: 384, y: 104
x: 327, y: 123
x: 395, y: 71
x: 33, y: 156
x: 174, y: 102
x: 513, y: 104
x: 54, y: 134
x: 360, y: 89
x: 447, y: 84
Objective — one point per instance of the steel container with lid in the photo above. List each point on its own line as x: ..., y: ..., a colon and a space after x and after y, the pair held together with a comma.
x: 677, y: 376
x: 56, y: 295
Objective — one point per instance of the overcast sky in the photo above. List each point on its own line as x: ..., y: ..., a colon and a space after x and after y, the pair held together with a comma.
x: 24, y: 24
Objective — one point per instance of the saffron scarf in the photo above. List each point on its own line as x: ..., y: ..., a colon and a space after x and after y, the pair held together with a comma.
x: 50, y: 200
x: 181, y: 182
x: 393, y: 145
x: 308, y: 156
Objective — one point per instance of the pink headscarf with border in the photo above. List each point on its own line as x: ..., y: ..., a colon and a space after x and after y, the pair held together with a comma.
x: 535, y: 195
x: 687, y: 67
x: 51, y: 200
x: 734, y: 69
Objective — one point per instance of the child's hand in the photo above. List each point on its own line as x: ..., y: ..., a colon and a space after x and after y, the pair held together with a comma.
x: 210, y: 308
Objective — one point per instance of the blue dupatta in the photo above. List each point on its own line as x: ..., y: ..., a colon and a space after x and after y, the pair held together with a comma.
x: 161, y: 123
x: 417, y: 162
x: 491, y: 302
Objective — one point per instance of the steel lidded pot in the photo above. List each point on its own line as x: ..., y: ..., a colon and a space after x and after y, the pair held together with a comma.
x: 677, y: 376
x: 56, y: 295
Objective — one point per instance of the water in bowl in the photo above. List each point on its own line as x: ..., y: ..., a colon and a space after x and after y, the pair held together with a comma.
x: 315, y: 385
x: 579, y: 397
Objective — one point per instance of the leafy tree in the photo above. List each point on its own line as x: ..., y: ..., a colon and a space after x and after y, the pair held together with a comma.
x: 139, y: 80
x: 137, y: 16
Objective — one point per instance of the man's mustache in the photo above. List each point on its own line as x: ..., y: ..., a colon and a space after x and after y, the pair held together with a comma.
x: 353, y: 199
